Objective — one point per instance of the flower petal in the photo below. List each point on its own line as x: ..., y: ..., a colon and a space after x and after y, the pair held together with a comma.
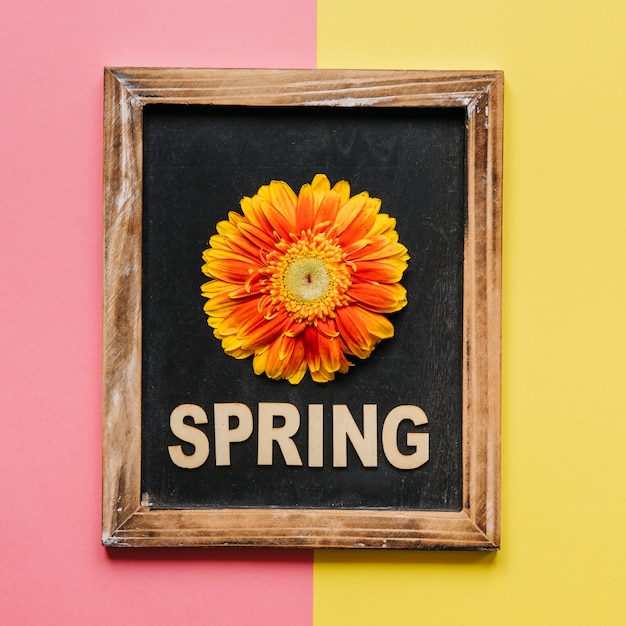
x: 296, y: 367
x: 245, y: 313
x: 328, y: 328
x: 378, y: 247
x: 350, y: 211
x: 232, y: 347
x: 387, y: 271
x: 282, y: 197
x: 384, y: 225
x: 320, y: 184
x: 354, y: 332
x: 280, y: 223
x: 283, y: 359
x: 379, y: 298
x: 254, y: 212
x: 228, y: 270
x: 330, y: 350
x: 257, y: 235
x: 378, y: 325
x: 260, y: 331
x: 228, y: 254
x: 305, y: 211
x: 361, y: 223
x: 311, y: 348
x: 219, y: 306
x: 342, y: 187
x: 327, y: 210
x: 238, y: 244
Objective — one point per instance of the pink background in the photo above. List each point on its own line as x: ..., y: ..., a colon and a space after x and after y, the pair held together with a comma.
x: 53, y: 569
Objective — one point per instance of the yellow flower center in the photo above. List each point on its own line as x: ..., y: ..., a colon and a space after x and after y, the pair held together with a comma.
x: 309, y: 277
x: 306, y: 279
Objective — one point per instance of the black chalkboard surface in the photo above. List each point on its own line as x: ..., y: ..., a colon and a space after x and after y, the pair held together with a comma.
x: 401, y: 449
x: 198, y: 163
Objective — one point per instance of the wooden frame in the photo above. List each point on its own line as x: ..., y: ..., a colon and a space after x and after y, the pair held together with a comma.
x: 129, y: 522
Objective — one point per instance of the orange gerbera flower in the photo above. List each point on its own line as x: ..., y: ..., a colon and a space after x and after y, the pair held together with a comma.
x: 302, y: 281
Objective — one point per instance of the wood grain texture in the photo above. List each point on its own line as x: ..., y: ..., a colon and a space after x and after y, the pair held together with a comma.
x: 126, y: 522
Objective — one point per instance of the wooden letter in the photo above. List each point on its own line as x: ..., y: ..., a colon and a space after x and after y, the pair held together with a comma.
x: 417, y: 440
x: 344, y: 428
x: 224, y: 435
x: 282, y: 435
x: 316, y: 435
x: 189, y: 434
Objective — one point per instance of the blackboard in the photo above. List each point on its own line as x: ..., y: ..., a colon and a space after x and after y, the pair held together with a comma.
x: 421, y: 159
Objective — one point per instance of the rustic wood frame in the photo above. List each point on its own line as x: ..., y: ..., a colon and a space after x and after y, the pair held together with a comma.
x: 128, y: 522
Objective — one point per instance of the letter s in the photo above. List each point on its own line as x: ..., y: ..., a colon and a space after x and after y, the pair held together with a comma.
x: 189, y: 434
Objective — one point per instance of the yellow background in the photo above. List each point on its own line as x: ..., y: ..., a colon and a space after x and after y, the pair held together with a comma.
x: 563, y: 557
